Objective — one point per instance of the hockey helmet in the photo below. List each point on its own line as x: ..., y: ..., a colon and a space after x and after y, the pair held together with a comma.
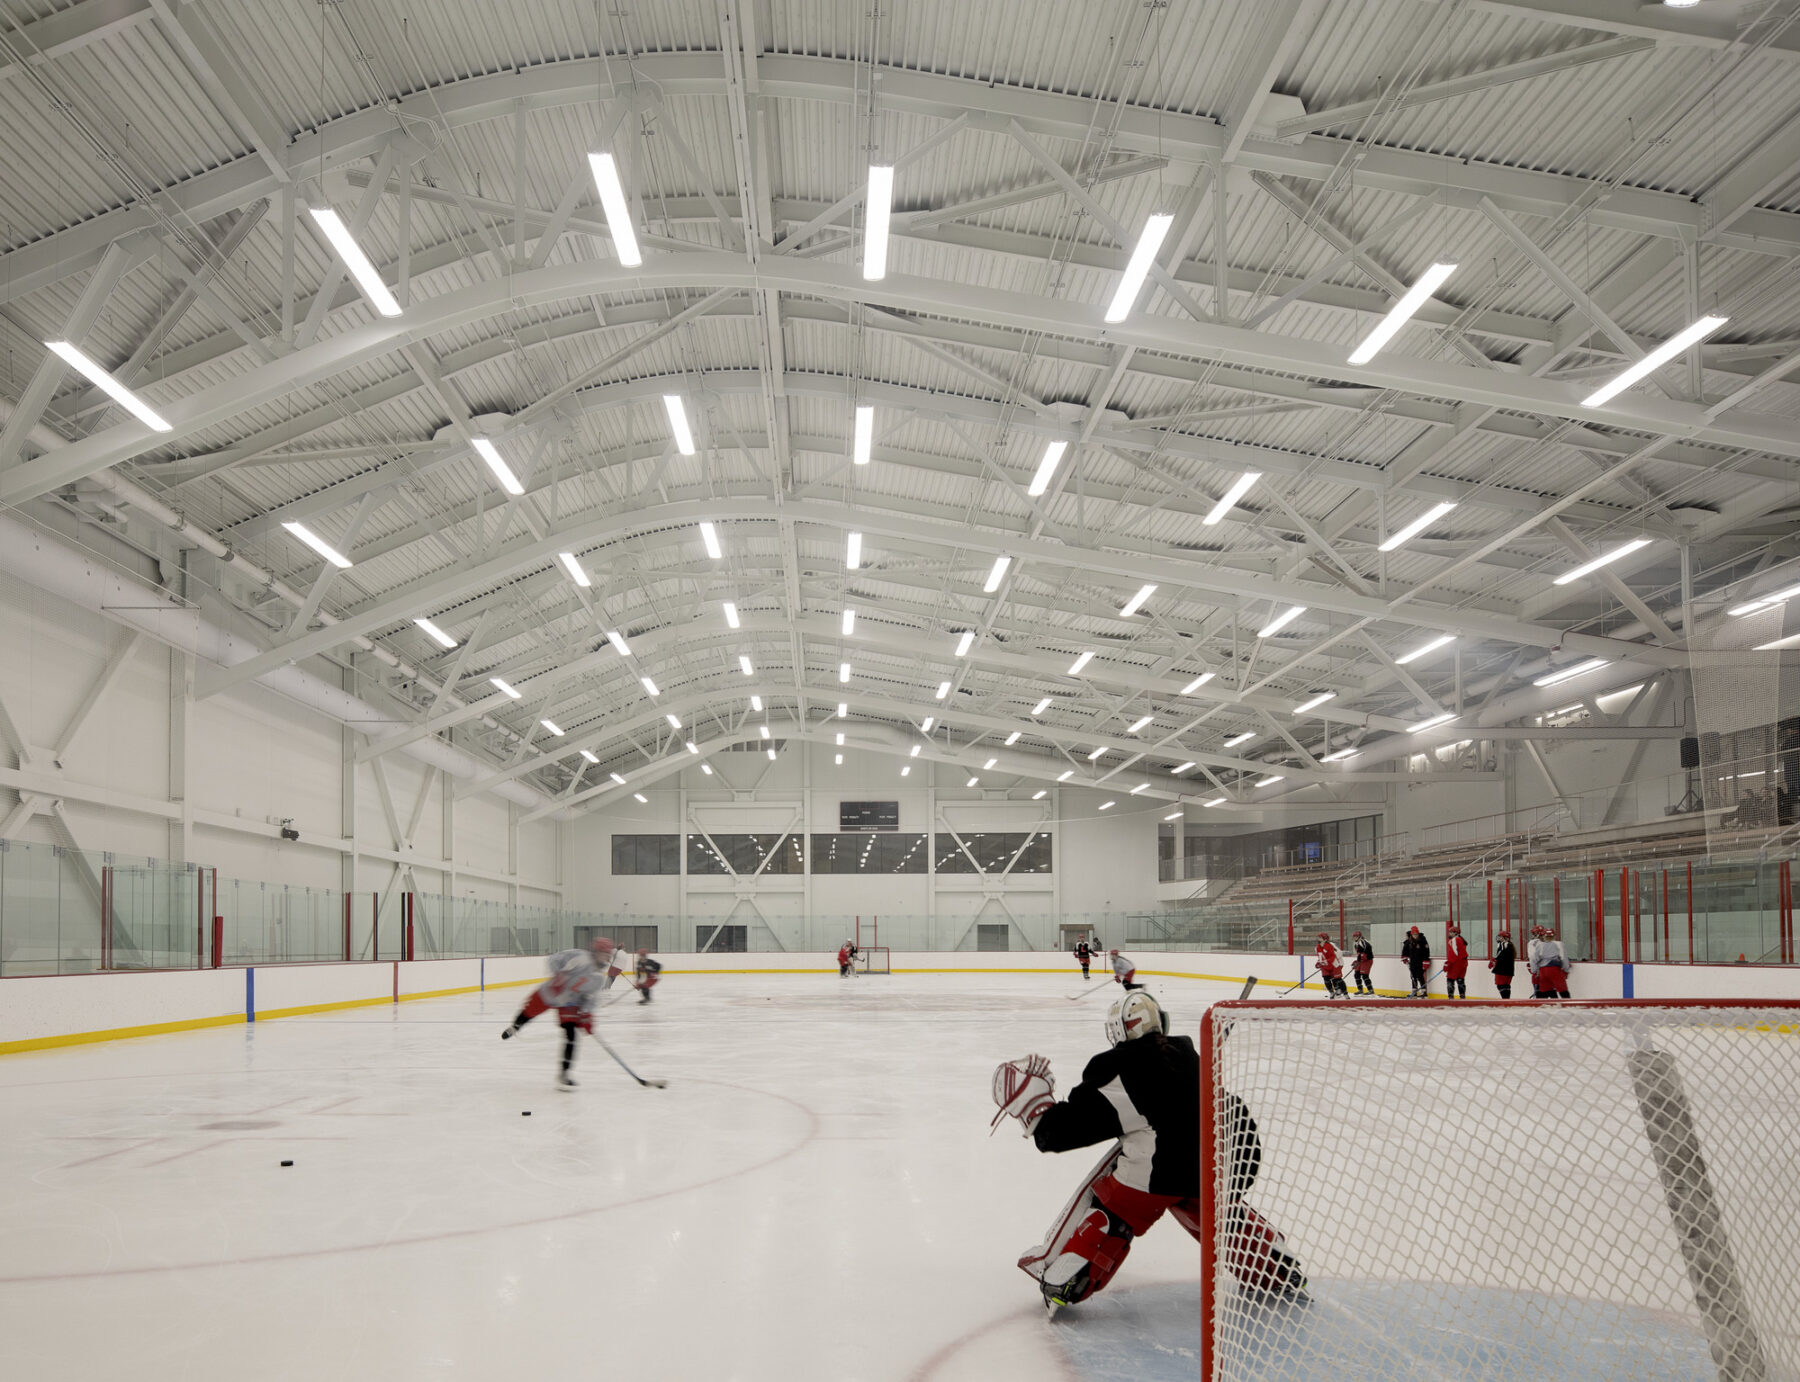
x: 1112, y: 952
x: 1136, y: 1014
x: 603, y: 945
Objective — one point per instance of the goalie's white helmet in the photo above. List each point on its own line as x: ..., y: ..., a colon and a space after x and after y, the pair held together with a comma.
x: 1136, y: 1014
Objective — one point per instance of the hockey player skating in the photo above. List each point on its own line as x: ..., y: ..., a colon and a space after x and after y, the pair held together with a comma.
x: 1144, y: 1093
x: 1124, y: 971
x: 1331, y: 967
x: 846, y: 957
x: 1456, y: 964
x: 1505, y: 957
x: 1416, y: 951
x: 1084, y: 953
x: 1553, y: 968
x: 577, y: 978
x: 646, y: 974
x: 1365, y: 964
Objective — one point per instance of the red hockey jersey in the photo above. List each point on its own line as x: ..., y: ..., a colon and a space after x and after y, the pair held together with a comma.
x: 1330, y: 965
x: 1456, y: 958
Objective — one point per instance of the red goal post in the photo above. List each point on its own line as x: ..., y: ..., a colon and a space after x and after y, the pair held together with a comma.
x: 873, y: 959
x: 1612, y: 1184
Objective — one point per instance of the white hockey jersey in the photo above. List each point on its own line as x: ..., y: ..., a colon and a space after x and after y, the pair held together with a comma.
x: 575, y: 980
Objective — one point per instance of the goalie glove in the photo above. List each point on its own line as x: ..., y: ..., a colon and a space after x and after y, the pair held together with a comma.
x: 1023, y: 1089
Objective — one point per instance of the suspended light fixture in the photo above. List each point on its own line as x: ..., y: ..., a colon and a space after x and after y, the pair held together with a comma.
x: 617, y: 639
x: 1080, y: 662
x: 1239, y: 488
x: 553, y: 727
x: 319, y: 545
x: 1136, y: 602
x: 995, y: 575
x: 79, y: 360
x: 1281, y: 621
x: 1315, y: 702
x: 710, y: 536
x: 1053, y: 453
x: 1139, y: 724
x: 745, y: 667
x: 1416, y: 297
x: 853, y: 551
x: 505, y: 689
x: 442, y: 639
x: 1605, y: 559
x: 1425, y: 648
x: 731, y: 614
x: 966, y: 642
x: 1665, y: 352
x: 1197, y: 683
x: 1041, y: 706
x: 865, y: 434
x: 332, y: 226
x: 1137, y: 268
x: 678, y: 423
x: 589, y: 755
x: 616, y: 209
x: 1417, y: 526
x: 573, y: 567
x: 879, y: 208
x: 849, y: 624
x: 497, y: 463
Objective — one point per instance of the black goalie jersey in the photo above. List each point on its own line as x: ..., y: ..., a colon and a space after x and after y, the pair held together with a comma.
x: 1147, y: 1094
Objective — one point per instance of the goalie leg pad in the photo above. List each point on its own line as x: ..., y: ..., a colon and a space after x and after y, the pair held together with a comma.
x: 1090, y: 1239
x: 1256, y: 1253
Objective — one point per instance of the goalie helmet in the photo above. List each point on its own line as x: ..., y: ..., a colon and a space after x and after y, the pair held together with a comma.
x: 1136, y: 1014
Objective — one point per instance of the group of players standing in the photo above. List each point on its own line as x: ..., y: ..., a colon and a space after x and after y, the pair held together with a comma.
x: 1545, y: 958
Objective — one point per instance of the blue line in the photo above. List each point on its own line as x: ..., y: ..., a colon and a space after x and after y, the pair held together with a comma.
x: 1630, y: 984
x: 249, y: 994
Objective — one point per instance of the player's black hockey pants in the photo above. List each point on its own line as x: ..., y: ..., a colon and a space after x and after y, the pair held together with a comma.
x: 1363, y: 983
x: 1455, y: 988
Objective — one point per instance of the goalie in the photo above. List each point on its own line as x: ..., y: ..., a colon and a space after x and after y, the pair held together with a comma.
x: 1144, y: 1094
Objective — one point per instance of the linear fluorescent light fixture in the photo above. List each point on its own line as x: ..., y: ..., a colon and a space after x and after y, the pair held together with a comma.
x: 1580, y: 669
x: 1434, y: 722
x: 1137, y: 268
x: 1013, y: 738
x: 1140, y: 787
x: 879, y: 207
x: 1216, y: 801
x: 943, y: 690
x: 1227, y: 501
x: 1315, y: 702
x: 617, y: 210
x: 1657, y: 358
x: 1080, y: 662
x: 673, y: 719
x: 641, y: 797
x: 553, y: 727
x: 731, y: 614
x: 1417, y: 526
x: 1281, y: 621
x: 590, y: 755
x: 1425, y: 648
x: 1136, y: 725
x: 1096, y: 753
x: 1770, y: 646
x: 1108, y: 805
x: 332, y: 226
x: 745, y: 667
x: 1066, y: 775
x: 843, y: 709
x: 990, y: 763
x: 971, y: 782
x: 617, y: 639
x: 905, y: 768
x: 573, y: 567
x: 1398, y: 315
x: 865, y: 434
x: 849, y: 624
x: 1041, y: 706
x: 1178, y: 770
x: 966, y: 642
x: 318, y: 544
x: 843, y: 671
x: 707, y: 769
x: 929, y: 721
x: 80, y: 360
x: 765, y: 730
x: 505, y: 689
x: 771, y: 755
x: 1136, y: 602
x: 1604, y: 559
x: 650, y: 686
x: 497, y: 463
x: 1340, y: 755
x: 616, y: 778
x: 994, y: 576
x: 1040, y: 794
x: 710, y: 536
x: 915, y: 751
x: 853, y: 551
x: 1270, y: 780
x: 839, y: 759
x: 840, y: 741
x: 678, y: 423
x: 692, y: 747
x: 756, y: 704
x: 1053, y: 454
x: 1172, y: 816
x: 1779, y: 597
x: 442, y: 639
x: 1243, y: 738
x: 1197, y: 683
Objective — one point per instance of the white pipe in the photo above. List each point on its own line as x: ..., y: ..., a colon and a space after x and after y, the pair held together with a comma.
x: 39, y: 560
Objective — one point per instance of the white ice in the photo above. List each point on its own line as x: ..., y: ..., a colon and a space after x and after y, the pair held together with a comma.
x: 815, y: 1195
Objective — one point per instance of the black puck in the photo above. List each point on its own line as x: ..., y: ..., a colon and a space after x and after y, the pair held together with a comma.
x: 526, y: 1114
x: 287, y: 1163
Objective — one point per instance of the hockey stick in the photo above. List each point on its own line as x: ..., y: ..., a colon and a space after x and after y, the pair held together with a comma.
x: 647, y: 1084
x: 1249, y: 984
x: 1085, y: 993
x: 1291, y: 987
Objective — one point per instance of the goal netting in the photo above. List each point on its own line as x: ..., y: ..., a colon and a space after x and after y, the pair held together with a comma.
x: 1605, y: 1190
x: 873, y: 959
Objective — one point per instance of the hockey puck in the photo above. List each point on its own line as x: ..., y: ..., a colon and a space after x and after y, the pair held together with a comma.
x: 287, y: 1163
x: 526, y: 1114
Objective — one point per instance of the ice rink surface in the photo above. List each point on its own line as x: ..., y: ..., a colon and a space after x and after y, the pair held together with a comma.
x: 815, y: 1195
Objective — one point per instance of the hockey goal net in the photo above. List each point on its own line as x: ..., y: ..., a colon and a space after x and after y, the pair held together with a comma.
x: 1598, y: 1190
x: 873, y: 959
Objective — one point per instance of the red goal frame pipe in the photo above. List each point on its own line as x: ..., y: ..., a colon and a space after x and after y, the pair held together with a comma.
x: 1690, y: 909
x: 1209, y: 1199
x: 1665, y: 936
x: 1290, y: 926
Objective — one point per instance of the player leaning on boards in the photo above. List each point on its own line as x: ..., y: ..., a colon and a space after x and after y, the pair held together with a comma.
x: 577, y: 978
x: 1145, y: 1093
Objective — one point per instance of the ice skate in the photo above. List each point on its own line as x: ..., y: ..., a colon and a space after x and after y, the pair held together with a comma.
x: 565, y: 1081
x: 509, y: 1031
